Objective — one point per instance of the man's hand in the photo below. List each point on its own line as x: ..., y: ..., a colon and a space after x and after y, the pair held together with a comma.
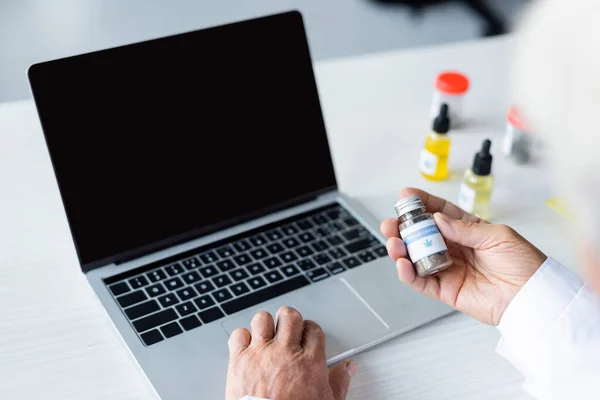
x: 286, y: 362
x: 490, y: 262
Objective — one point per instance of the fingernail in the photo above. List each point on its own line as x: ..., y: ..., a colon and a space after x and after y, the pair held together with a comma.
x: 441, y: 217
x: 352, y: 368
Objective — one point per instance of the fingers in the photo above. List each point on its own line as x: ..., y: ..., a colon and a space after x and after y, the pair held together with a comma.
x: 396, y: 248
x: 263, y: 328
x: 339, y: 378
x: 238, y: 342
x: 476, y: 235
x: 435, y: 204
x: 289, y: 326
x: 313, y: 339
x: 429, y: 286
x: 389, y: 227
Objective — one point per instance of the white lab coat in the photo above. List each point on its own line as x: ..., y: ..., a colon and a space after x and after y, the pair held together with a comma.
x: 551, y: 334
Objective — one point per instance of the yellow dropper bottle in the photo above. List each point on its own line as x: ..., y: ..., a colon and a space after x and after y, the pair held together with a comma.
x: 478, y: 182
x: 433, y: 163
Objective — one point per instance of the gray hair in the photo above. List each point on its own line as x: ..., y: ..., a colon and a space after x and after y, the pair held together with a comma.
x: 557, y: 85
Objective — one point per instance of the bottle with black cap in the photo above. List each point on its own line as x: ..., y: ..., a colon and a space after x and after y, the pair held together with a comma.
x: 433, y: 163
x: 478, y: 182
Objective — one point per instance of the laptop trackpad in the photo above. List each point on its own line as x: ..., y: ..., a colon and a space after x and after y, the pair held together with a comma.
x: 348, y: 323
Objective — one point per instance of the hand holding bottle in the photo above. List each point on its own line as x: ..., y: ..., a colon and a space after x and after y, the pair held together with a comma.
x: 490, y: 262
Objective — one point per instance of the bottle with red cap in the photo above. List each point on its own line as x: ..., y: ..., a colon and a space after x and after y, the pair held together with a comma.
x: 450, y: 89
x: 518, y: 144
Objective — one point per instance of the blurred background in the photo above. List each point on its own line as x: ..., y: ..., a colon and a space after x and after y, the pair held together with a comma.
x: 38, y: 30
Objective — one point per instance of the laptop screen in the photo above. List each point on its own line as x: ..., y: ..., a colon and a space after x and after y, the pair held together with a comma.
x: 163, y: 140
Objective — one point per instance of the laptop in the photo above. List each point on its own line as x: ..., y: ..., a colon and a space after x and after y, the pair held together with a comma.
x: 199, y: 188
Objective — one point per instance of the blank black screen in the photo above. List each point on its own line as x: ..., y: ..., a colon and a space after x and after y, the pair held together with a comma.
x: 184, y: 134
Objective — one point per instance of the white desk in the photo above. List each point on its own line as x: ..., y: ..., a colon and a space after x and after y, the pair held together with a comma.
x: 56, y: 342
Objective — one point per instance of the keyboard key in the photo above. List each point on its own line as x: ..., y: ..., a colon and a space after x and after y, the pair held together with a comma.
x: 336, y: 268
x: 263, y: 295
x: 273, y: 276
x: 335, y: 213
x: 289, y: 230
x: 211, y: 315
x: 239, y: 274
x: 288, y: 257
x: 168, y: 300
x: 354, y: 233
x: 258, y: 254
x: 119, y: 288
x: 290, y: 243
x: 322, y: 232
x: 204, y: 287
x: 290, y: 270
x: 186, y: 308
x: 138, y: 282
x: 381, y: 251
x: 322, y: 259
x: 154, y: 320
x: 304, y: 251
x: 317, y: 274
x: 336, y: 226
x: 275, y: 248
x: 226, y: 265
x: 174, y: 283
x: 351, y: 262
x: 174, y: 269
x: 204, y: 302
x: 256, y: 282
x: 222, y: 295
x: 157, y: 275
x: 209, y: 257
x: 320, y: 245
x: 239, y: 288
x: 306, y: 265
x: 170, y: 330
x: 225, y: 252
x: 242, y: 259
x: 191, y: 263
x: 221, y: 280
x: 257, y: 240
x: 272, y: 262
x: 190, y: 322
x: 187, y: 293
x: 338, y: 252
x: 320, y: 219
x: 307, y: 237
x: 350, y: 221
x: 155, y: 290
x: 304, y: 224
x: 255, y: 268
x: 273, y: 235
x: 358, y: 245
x: 366, y: 256
x: 191, y: 277
x: 152, y: 337
x: 142, y: 309
x: 335, y: 240
x: 207, y: 272
x: 241, y: 245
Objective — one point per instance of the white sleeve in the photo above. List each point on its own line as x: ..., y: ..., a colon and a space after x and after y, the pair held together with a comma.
x: 551, y: 334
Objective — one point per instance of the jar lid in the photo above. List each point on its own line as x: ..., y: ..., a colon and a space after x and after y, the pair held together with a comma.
x: 408, y: 204
x: 515, y: 119
x: 452, y: 82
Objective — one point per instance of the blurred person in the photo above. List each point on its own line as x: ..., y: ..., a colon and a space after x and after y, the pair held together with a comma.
x: 548, y: 318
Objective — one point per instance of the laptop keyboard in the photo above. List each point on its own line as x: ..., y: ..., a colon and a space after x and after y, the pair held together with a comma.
x: 168, y: 297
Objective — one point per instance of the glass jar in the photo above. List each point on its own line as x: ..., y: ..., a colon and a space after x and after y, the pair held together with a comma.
x: 450, y: 88
x: 425, y: 245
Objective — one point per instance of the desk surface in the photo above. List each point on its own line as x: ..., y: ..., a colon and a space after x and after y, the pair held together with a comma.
x: 56, y: 341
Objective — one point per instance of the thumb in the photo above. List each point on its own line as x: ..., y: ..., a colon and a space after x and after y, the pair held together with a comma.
x: 476, y: 235
x: 339, y: 378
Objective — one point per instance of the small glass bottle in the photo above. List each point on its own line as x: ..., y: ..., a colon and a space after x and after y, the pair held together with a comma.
x: 476, y: 189
x: 433, y: 162
x: 424, y: 242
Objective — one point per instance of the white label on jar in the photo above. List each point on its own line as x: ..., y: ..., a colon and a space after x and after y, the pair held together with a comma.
x: 428, y: 162
x: 509, y: 138
x: 422, y: 240
x: 466, y: 198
